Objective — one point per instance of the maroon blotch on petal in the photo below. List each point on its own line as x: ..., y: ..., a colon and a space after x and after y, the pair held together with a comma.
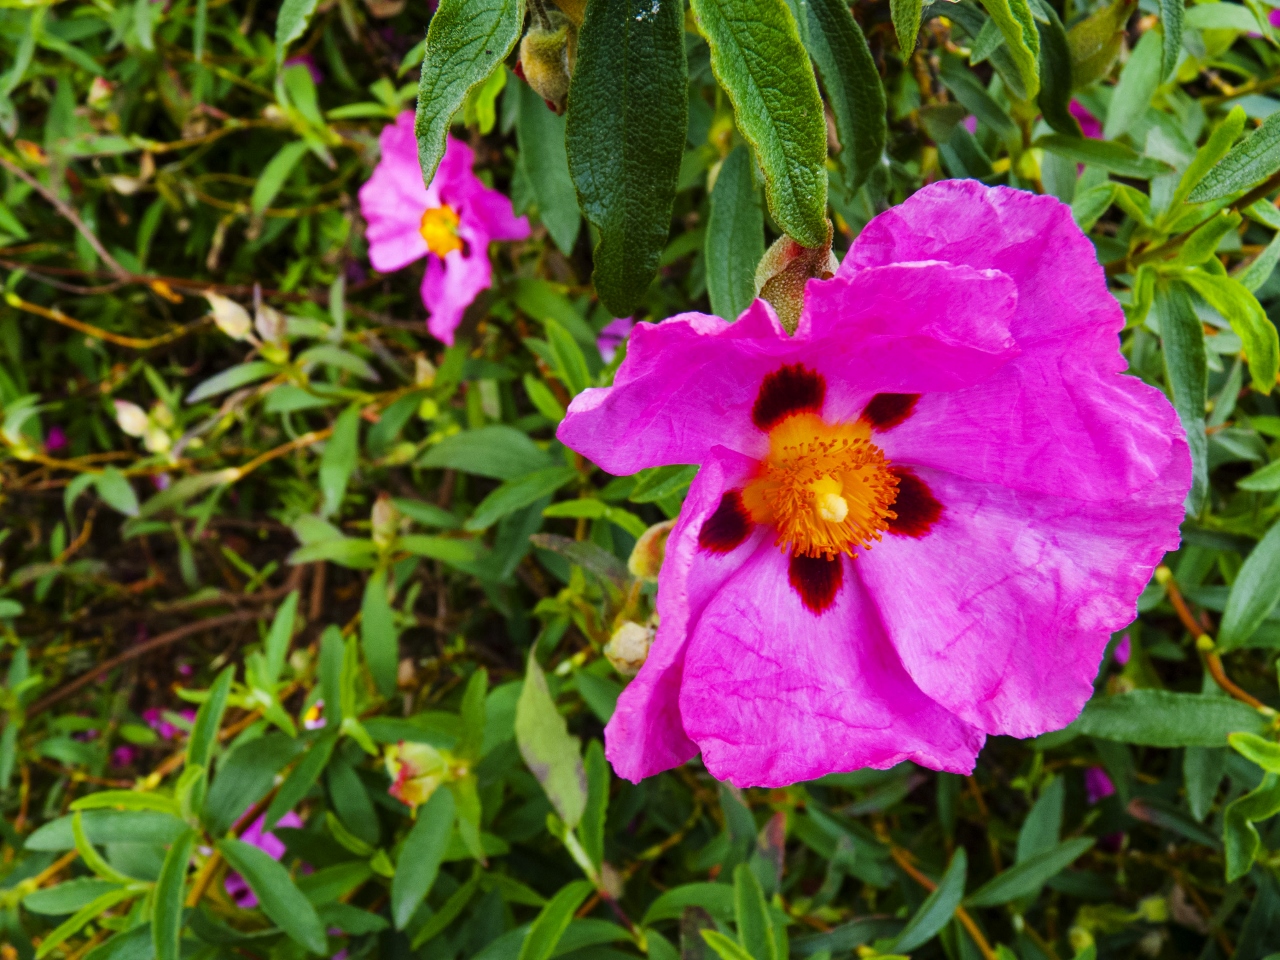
x: 817, y: 580
x: 790, y: 389
x: 887, y: 410
x: 916, y: 507
x: 725, y: 529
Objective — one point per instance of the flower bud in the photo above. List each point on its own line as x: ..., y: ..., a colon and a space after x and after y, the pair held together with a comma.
x: 156, y: 440
x: 100, y: 91
x: 418, y: 769
x: 628, y: 648
x: 547, y: 55
x: 131, y: 418
x: 648, y: 553
x: 270, y: 324
x: 231, y: 318
x: 424, y: 371
x: 785, y: 269
x: 385, y: 521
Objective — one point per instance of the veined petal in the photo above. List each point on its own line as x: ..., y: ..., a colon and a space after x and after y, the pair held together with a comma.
x: 450, y: 285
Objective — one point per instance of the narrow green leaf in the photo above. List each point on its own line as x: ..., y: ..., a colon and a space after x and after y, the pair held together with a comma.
x: 1215, y: 148
x: 550, y: 924
x: 291, y: 23
x: 591, y: 829
x: 204, y: 732
x: 757, y: 56
x: 378, y: 634
x: 244, y: 776
x: 1138, y: 82
x: 1022, y: 40
x: 339, y: 460
x: 735, y: 235
x: 449, y: 912
x: 127, y: 800
x: 1162, y: 718
x: 166, y: 920
x: 497, y: 451
x: 116, y: 490
x: 466, y: 40
x: 1182, y: 337
x: 59, y: 935
x: 1247, y: 164
x: 232, y: 378
x: 725, y: 948
x: 1055, y: 73
x: 1249, y: 321
x: 280, y: 635
x: 273, y: 176
x: 282, y: 902
x: 1200, y: 246
x: 906, y: 23
x: 1172, y: 15
x: 625, y: 130
x: 1265, y: 480
x: 548, y: 749
x: 540, y: 135
x: 1027, y: 876
x: 1042, y: 830
x: 570, y: 364
x: 1114, y: 157
x: 421, y: 855
x: 1259, y: 271
x: 1253, y: 594
x: 938, y: 908
x: 68, y: 897
x: 517, y: 494
x: 1265, y: 753
x: 302, y: 777
x: 716, y: 898
x: 755, y: 925
x: 852, y: 84
x: 1240, y: 837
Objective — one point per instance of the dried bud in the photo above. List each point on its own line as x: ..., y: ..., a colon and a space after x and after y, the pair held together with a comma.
x: 231, y: 318
x: 647, y: 555
x: 270, y: 324
x: 100, y: 91
x: 131, y: 418
x: 628, y: 648
x: 418, y: 769
x: 785, y: 269
x: 547, y: 55
x: 385, y: 521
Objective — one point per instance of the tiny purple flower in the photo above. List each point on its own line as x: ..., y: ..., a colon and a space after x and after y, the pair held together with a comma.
x: 122, y: 756
x: 1123, y: 650
x: 56, y: 440
x: 1097, y: 785
x: 612, y: 335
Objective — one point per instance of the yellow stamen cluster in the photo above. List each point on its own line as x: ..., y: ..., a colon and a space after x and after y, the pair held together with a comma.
x: 825, y: 487
x: 439, y: 228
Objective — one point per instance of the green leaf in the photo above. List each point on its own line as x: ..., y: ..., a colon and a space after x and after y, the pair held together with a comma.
x: 938, y: 908
x: 291, y: 23
x: 725, y: 948
x: 273, y: 176
x: 420, y: 857
x: 279, y: 636
x: 448, y: 549
x: 244, y: 776
x: 497, y: 451
x: 1113, y: 157
x: 449, y: 912
x: 55, y: 938
x: 716, y: 898
x: 339, y: 460
x: 757, y: 56
x: 1249, y: 321
x: 549, y: 926
x: 735, y: 235
x: 1027, y: 876
x: 547, y: 747
x: 67, y: 898
x: 166, y: 920
x: 114, y: 488
x: 540, y: 396
x: 1259, y: 271
x: 1202, y: 244
x: 1138, y: 82
x: 570, y: 363
x: 466, y: 40
x: 204, y: 732
x: 1172, y: 14
x: 1162, y: 718
x: 961, y: 81
x: 301, y: 778
x: 755, y: 925
x: 278, y: 897
x: 1265, y: 480
x: 1247, y: 164
x: 108, y: 826
x: 378, y: 634
x: 1055, y: 73
x: 1042, y: 829
x: 1022, y: 40
x: 625, y: 131
x: 517, y: 494
x: 854, y: 91
x: 127, y: 800
x: 231, y: 379
x: 1182, y: 338
x: 1240, y: 837
x: 1265, y: 753
x: 1253, y: 594
x: 1215, y: 148
x: 591, y: 829
x: 906, y: 23
x: 540, y: 135
x: 428, y: 514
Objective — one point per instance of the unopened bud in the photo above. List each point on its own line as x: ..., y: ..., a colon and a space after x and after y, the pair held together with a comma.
x: 131, y: 418
x: 157, y: 440
x: 647, y: 555
x: 231, y: 318
x: 270, y: 324
x: 547, y: 55
x: 385, y: 521
x: 628, y: 648
x: 100, y: 91
x: 424, y: 371
x: 785, y: 269
x: 162, y: 415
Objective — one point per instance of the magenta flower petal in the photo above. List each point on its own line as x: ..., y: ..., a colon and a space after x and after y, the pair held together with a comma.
x: 1097, y: 785
x: 1089, y: 124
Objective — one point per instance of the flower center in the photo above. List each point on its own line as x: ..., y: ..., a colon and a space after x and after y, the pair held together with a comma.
x: 825, y: 487
x: 439, y: 228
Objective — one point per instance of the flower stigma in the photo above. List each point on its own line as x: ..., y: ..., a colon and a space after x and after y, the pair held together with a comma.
x: 439, y: 228
x: 825, y: 487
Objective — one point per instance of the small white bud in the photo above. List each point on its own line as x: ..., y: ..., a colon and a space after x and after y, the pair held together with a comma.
x: 270, y: 324
x: 131, y: 418
x: 231, y: 318
x: 628, y: 648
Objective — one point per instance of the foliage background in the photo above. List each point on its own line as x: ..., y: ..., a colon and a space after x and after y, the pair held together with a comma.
x: 375, y: 522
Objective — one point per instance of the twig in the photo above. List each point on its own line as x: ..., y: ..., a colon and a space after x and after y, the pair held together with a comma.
x: 67, y: 211
x: 902, y: 859
x: 57, y: 316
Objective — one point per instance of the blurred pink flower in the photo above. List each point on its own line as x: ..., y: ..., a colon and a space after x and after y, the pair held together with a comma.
x: 154, y: 718
x: 1089, y: 124
x: 56, y: 440
x: 160, y: 481
x: 612, y: 335
x: 918, y: 519
x: 450, y: 223
x: 269, y: 844
x: 1273, y: 17
x: 122, y: 756
x: 1097, y: 785
x: 971, y: 123
x: 1123, y: 650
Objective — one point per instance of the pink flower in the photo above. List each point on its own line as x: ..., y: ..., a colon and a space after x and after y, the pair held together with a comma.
x: 269, y: 844
x: 971, y: 123
x: 612, y: 336
x: 1097, y: 785
x: 122, y: 756
x: 1089, y: 124
x: 450, y: 223
x: 56, y: 440
x: 154, y: 718
x: 1273, y: 17
x: 1123, y: 650
x: 918, y: 520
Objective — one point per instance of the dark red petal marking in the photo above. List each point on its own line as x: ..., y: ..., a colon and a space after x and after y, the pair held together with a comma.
x: 917, y: 508
x: 817, y: 580
x: 788, y: 390
x: 725, y: 529
x: 887, y: 410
